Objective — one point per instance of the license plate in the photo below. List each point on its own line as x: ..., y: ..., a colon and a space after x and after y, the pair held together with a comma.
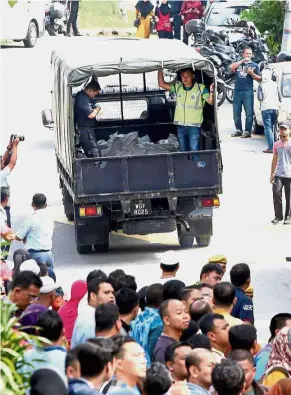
x: 141, y: 208
x: 47, y: 19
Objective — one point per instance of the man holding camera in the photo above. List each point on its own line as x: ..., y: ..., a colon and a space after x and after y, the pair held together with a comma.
x: 86, y: 112
x: 246, y: 71
x: 8, y: 162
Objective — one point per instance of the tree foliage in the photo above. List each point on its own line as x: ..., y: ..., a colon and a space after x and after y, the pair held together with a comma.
x: 268, y: 16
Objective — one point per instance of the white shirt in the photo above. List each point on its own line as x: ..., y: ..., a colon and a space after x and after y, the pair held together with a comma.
x: 84, y: 327
x: 3, y: 221
x: 38, y: 230
x: 270, y: 91
x: 3, y: 180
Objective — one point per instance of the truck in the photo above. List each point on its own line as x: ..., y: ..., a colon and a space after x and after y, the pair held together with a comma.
x: 137, y: 194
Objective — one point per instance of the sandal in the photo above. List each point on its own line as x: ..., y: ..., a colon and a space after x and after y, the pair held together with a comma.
x: 268, y: 151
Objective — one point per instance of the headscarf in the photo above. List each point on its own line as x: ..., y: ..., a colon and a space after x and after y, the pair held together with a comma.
x: 281, y: 352
x: 19, y: 257
x: 283, y: 387
x: 165, y: 9
x: 30, y: 317
x: 69, y: 311
x: 144, y: 7
x: 47, y: 382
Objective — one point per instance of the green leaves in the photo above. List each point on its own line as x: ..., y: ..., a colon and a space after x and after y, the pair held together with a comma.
x: 268, y: 16
x: 12, y: 3
x: 14, y: 343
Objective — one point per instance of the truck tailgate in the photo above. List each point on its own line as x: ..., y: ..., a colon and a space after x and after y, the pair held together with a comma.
x: 149, y: 173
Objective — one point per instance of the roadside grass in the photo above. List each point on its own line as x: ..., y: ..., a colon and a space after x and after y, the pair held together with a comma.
x: 103, y: 14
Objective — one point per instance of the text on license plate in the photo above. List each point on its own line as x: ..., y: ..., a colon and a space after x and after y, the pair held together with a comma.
x: 140, y: 208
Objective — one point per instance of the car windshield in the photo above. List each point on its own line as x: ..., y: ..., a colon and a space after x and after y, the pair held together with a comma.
x: 220, y: 16
x: 286, y: 85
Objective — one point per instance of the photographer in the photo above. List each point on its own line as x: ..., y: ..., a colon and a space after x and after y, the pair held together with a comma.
x: 8, y: 162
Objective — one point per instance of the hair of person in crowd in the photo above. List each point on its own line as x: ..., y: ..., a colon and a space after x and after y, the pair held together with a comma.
x: 172, y: 289
x: 47, y: 382
x: 127, y: 300
x: 243, y: 337
x: 93, y: 86
x: 228, y: 378
x: 190, y: 294
x: 5, y: 195
x: 24, y: 288
x: 97, y: 273
x: 154, y: 295
x: 224, y: 294
x: 72, y: 365
x: 43, y: 270
x: 175, y: 356
x: 39, y: 201
x: 19, y: 256
x: 216, y: 332
x: 169, y: 263
x: 278, y: 322
x: 240, y: 275
x: 95, y: 362
x: 211, y: 273
x: 198, y: 309
x: 192, y: 329
x: 170, y: 268
x: 94, y: 287
x: 158, y: 380
x: 199, y: 341
x: 142, y: 298
x: 246, y: 361
x: 50, y: 326
x: 127, y: 281
x: 107, y: 320
x: 114, y: 276
x: 199, y: 365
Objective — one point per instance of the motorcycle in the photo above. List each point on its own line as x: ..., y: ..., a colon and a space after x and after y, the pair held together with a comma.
x: 56, y: 18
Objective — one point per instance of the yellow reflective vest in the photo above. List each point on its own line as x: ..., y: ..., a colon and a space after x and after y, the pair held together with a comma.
x: 189, y: 104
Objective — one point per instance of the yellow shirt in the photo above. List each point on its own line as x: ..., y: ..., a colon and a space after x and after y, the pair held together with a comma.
x: 232, y: 321
x: 273, y: 377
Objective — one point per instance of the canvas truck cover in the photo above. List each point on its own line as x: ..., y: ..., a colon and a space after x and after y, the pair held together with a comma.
x: 85, y: 57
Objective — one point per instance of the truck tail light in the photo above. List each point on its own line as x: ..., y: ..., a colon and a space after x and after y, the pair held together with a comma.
x: 90, y: 211
x: 210, y: 202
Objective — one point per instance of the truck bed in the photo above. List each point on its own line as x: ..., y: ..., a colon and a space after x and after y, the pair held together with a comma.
x: 148, y: 176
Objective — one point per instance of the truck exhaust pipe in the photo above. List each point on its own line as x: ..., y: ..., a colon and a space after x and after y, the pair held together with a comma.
x: 185, y: 224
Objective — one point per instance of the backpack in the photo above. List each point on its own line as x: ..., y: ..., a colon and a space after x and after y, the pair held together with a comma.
x: 273, y: 76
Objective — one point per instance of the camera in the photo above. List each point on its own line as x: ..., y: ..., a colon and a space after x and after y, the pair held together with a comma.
x: 15, y: 136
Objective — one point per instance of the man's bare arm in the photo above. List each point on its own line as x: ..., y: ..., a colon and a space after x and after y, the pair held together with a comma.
x: 236, y: 65
x: 94, y: 113
x: 256, y: 77
x: 162, y: 82
x: 273, y: 166
x: 13, y: 158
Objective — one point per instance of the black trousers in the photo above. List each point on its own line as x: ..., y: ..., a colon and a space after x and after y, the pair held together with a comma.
x: 279, y: 184
x: 185, y: 36
x: 88, y: 142
x: 74, y: 8
x: 164, y: 34
x: 177, y: 26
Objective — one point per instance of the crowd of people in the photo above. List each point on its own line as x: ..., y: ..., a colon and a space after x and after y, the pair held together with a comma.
x: 165, y: 338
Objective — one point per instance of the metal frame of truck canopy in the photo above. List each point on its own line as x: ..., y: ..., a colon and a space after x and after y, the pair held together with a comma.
x: 94, y: 57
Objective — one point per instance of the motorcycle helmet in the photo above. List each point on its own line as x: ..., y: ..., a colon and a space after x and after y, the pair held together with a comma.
x: 284, y: 57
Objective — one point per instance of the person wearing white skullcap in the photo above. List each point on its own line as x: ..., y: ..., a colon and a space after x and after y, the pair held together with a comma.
x: 47, y: 292
x: 30, y: 265
x: 169, y: 266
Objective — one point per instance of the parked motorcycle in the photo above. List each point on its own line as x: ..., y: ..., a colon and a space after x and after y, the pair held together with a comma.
x: 56, y: 18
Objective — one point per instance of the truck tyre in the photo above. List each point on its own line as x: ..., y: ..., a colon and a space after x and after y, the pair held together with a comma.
x: 203, y: 241
x: 51, y: 30
x: 258, y: 129
x: 68, y: 204
x: 31, y: 37
x: 101, y: 247
x: 185, y: 240
x: 84, y: 249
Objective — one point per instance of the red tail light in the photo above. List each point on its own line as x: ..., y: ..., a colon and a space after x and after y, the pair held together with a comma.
x: 90, y: 211
x: 210, y: 202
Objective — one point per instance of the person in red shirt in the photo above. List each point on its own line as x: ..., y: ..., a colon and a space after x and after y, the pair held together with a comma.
x: 164, y: 19
x: 190, y: 10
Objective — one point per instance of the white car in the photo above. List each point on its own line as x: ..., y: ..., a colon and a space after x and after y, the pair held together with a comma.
x: 22, y: 21
x: 284, y: 82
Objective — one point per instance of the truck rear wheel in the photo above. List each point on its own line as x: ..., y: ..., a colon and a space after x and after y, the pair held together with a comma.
x: 203, y: 241
x: 68, y: 204
x: 185, y: 240
x: 84, y: 249
x: 101, y: 247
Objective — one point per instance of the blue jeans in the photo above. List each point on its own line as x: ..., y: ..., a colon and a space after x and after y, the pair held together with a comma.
x: 45, y: 257
x: 177, y: 26
x: 269, y: 119
x: 243, y: 99
x: 189, y: 138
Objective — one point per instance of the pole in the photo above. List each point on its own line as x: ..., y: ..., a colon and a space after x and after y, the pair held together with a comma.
x: 286, y: 38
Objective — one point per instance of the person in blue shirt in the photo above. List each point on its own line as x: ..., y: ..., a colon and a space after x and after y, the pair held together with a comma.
x: 246, y: 71
x: 240, y: 277
x: 278, y: 322
x: 86, y: 111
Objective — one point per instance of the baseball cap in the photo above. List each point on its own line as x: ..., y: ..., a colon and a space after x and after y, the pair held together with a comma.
x: 284, y: 124
x: 48, y: 285
x: 30, y: 265
x: 217, y: 259
x: 169, y: 258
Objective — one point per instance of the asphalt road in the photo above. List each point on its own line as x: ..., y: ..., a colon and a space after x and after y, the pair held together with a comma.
x: 242, y: 228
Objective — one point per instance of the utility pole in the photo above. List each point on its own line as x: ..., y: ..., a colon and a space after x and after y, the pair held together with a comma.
x: 286, y: 38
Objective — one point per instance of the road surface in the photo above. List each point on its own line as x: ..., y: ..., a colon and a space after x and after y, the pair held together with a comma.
x: 242, y: 227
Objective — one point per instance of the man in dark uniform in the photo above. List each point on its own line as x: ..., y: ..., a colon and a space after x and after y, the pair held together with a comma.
x: 85, y: 118
x: 74, y: 9
x: 176, y: 9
